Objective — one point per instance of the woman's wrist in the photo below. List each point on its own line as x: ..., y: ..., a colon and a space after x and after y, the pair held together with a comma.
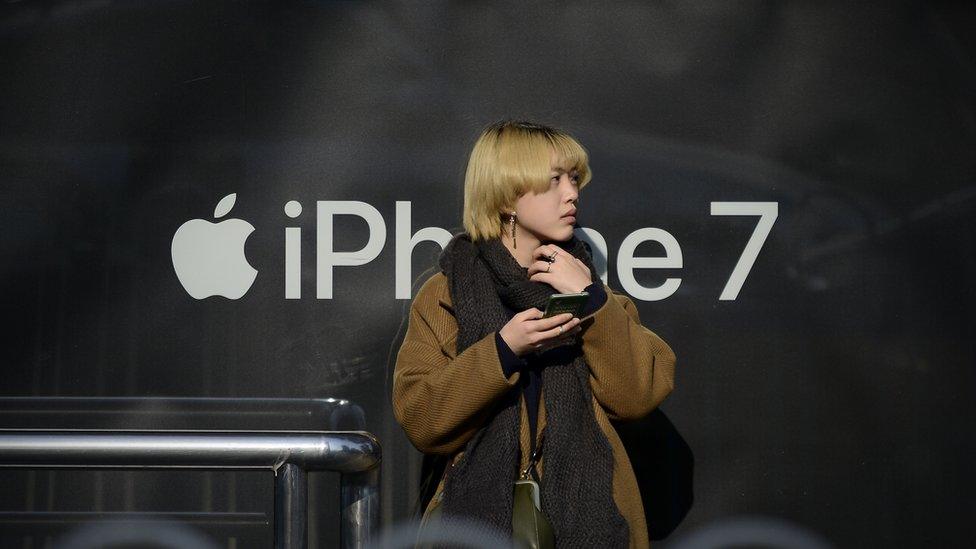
x: 596, y: 299
x: 510, y: 362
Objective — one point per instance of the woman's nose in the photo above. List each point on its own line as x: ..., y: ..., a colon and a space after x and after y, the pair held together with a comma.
x: 572, y: 192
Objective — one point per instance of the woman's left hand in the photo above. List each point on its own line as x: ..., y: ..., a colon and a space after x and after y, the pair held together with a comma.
x: 566, y: 273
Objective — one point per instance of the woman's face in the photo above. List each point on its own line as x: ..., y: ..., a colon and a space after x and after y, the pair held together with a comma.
x: 550, y: 215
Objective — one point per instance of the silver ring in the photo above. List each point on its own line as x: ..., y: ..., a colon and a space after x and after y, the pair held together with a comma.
x: 560, y: 330
x: 552, y: 258
x: 548, y: 266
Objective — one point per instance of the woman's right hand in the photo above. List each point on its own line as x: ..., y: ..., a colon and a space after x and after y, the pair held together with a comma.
x: 528, y: 332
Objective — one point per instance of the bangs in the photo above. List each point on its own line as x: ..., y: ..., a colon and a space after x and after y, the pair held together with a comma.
x: 524, y: 161
x: 571, y: 156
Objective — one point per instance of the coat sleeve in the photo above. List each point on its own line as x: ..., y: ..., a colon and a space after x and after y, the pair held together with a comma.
x: 441, y: 400
x: 631, y: 368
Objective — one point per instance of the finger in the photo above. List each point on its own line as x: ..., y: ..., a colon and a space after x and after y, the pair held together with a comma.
x: 546, y: 251
x: 553, y: 321
x: 573, y: 326
x: 543, y: 324
x: 551, y: 333
x: 539, y: 267
x: 566, y: 337
x: 569, y: 325
x: 572, y: 334
x: 542, y: 277
x: 530, y: 314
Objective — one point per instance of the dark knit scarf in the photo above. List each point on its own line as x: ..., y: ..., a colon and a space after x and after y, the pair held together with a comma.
x: 576, y: 486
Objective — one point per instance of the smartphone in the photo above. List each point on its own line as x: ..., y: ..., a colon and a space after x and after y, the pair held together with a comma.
x: 565, y: 303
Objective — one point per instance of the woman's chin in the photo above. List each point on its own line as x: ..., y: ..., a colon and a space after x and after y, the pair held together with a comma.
x: 567, y: 234
x: 563, y: 234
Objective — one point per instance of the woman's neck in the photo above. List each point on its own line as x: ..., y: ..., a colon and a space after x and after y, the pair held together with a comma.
x: 527, y: 243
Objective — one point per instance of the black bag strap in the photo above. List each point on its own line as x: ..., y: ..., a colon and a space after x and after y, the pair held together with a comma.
x: 536, y: 451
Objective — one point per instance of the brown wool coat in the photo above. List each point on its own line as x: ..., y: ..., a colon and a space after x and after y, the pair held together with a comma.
x: 440, y: 399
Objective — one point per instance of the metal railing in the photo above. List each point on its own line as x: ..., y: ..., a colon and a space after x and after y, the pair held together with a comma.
x: 289, y: 454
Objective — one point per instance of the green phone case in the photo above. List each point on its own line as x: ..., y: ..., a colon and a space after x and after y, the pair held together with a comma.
x: 565, y: 303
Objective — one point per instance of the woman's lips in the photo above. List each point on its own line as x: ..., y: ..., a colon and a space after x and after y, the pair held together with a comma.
x: 569, y: 218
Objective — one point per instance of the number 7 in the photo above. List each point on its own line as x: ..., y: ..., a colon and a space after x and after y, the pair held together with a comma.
x: 768, y: 212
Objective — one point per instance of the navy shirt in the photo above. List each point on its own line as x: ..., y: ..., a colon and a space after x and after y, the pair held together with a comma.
x: 531, y: 379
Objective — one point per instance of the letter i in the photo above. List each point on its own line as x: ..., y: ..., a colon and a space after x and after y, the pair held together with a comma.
x: 293, y: 253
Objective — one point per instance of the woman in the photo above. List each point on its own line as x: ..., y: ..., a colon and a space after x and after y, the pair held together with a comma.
x: 482, y: 379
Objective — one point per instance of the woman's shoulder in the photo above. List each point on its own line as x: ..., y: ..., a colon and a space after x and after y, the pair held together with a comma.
x: 434, y: 292
x: 619, y: 295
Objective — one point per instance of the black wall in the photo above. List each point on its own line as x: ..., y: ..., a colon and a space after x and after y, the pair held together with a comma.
x: 833, y: 393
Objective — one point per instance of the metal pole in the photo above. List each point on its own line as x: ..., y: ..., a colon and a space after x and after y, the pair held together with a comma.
x: 291, y: 507
x: 354, y: 454
x: 340, y: 451
x: 360, y: 508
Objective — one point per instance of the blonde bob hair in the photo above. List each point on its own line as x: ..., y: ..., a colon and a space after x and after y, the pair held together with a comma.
x: 509, y: 159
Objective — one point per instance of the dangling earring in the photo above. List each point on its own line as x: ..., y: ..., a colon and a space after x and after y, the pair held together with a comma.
x: 514, y: 245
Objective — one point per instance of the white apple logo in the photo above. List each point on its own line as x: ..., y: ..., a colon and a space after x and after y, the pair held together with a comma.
x: 209, y: 257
